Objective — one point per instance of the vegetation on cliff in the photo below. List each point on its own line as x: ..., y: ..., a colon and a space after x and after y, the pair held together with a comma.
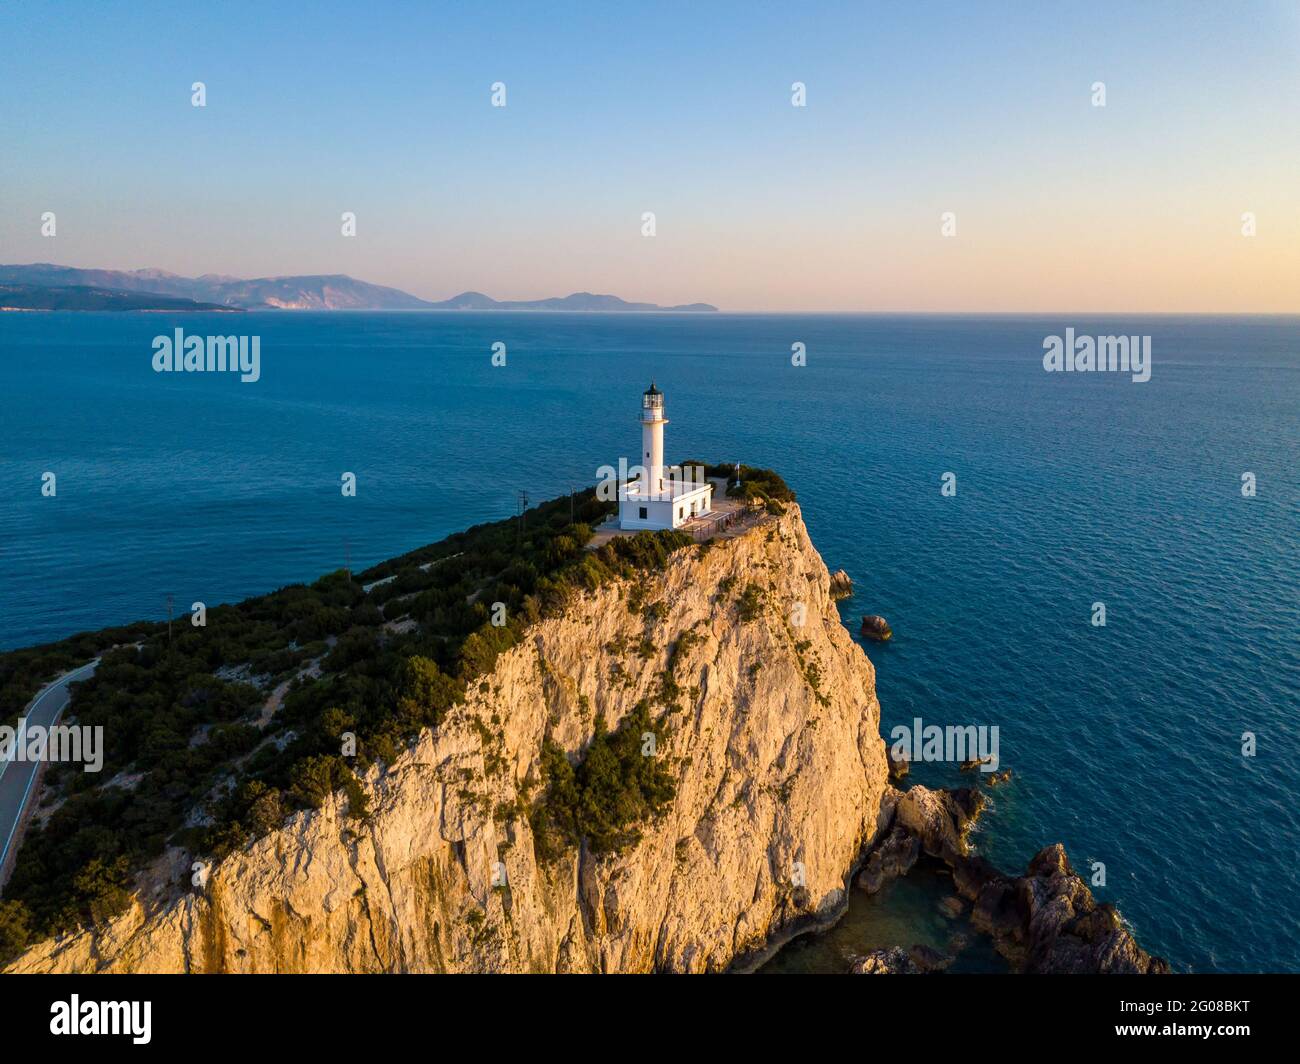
x: 754, y: 485
x: 616, y: 786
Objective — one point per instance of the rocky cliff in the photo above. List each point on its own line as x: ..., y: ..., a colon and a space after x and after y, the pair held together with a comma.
x: 780, y: 781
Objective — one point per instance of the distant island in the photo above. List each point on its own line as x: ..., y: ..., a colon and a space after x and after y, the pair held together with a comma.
x: 44, y: 286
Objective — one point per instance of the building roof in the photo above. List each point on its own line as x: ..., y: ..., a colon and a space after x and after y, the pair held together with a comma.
x: 652, y: 390
x: 673, y: 490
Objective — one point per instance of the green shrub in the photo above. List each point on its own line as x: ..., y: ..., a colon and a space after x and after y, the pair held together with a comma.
x: 609, y: 794
x: 100, y: 891
x: 750, y: 603
x: 425, y: 693
x: 761, y: 484
x: 15, y: 929
x: 313, y: 779
x: 683, y: 646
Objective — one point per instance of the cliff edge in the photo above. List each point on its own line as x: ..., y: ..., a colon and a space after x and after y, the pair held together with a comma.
x: 772, y: 740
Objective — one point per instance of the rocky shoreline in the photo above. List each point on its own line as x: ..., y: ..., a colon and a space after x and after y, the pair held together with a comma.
x: 1045, y: 922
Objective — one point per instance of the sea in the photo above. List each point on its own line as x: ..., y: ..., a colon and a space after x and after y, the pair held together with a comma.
x: 985, y: 506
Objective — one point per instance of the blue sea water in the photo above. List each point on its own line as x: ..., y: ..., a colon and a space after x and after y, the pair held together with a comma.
x: 1125, y: 741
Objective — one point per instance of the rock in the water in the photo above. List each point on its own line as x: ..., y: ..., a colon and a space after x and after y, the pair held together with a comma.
x: 971, y: 875
x: 940, y: 819
x: 898, y: 766
x: 894, y: 856
x: 1048, y: 922
x: 1068, y: 931
x: 877, y: 628
x: 998, y: 778
x: 974, y: 763
x: 841, y: 584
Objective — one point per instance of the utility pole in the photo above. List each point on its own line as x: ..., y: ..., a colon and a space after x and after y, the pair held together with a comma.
x: 347, y: 557
x: 169, y: 620
x: 523, y: 507
x: 570, y: 504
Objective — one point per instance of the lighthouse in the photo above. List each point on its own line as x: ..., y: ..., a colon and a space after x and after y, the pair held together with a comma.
x: 656, y: 496
x: 652, y: 436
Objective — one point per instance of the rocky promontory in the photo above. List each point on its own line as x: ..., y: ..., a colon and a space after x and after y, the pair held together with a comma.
x: 1044, y: 922
x: 773, y: 743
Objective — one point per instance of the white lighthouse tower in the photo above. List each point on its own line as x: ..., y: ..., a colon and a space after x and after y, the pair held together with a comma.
x: 652, y: 436
x: 656, y: 496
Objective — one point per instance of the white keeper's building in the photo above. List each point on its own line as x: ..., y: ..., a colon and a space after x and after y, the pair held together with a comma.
x: 660, y: 497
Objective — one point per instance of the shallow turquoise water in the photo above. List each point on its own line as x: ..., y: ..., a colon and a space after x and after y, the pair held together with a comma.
x: 1072, y: 489
x: 905, y: 912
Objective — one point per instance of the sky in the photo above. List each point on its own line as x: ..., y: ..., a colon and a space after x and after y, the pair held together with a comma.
x: 981, y: 109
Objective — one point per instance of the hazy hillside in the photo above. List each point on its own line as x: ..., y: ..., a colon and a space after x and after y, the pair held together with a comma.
x: 86, y: 297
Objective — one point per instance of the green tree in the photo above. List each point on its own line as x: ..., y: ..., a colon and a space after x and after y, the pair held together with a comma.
x: 425, y: 691
x: 313, y: 779
x: 101, y: 890
x: 265, y: 808
x: 15, y: 929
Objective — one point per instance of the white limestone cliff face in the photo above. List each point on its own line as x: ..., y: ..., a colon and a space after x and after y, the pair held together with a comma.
x: 778, y: 783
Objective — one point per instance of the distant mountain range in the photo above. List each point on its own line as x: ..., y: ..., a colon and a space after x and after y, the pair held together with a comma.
x: 78, y: 289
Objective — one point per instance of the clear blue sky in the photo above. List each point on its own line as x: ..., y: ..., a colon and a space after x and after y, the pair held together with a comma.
x: 681, y: 109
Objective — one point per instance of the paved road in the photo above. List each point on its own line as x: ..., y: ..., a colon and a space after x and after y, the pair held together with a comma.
x: 18, y: 777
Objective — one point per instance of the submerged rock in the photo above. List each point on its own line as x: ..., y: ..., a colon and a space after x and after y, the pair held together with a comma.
x: 998, y: 778
x: 877, y: 628
x: 893, y: 857
x: 927, y: 959
x: 951, y: 907
x: 957, y: 943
